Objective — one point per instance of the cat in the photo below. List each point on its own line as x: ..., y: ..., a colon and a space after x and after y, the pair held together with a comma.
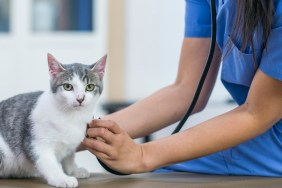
x: 40, y: 131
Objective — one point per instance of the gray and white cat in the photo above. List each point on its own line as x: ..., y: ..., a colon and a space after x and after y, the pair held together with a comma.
x: 40, y: 131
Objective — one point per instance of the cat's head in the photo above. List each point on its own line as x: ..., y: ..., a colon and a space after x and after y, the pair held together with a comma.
x: 76, y: 86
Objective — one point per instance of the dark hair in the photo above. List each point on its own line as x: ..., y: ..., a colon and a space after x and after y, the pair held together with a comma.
x: 250, y: 16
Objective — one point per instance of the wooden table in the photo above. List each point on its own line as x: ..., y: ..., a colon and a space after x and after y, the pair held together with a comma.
x: 156, y: 180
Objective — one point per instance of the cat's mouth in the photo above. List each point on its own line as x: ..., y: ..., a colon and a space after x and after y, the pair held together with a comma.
x: 78, y: 106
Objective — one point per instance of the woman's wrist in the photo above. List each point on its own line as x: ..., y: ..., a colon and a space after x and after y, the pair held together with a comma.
x: 140, y: 165
x: 146, y: 163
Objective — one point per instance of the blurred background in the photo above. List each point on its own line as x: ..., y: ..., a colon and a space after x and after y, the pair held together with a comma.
x: 141, y: 37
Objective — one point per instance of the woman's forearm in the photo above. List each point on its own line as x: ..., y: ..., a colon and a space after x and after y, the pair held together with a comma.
x: 163, y: 110
x: 214, y: 135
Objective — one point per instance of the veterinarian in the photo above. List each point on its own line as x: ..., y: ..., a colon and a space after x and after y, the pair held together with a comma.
x: 244, y: 141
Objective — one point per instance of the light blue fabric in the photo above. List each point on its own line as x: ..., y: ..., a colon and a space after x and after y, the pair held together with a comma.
x: 261, y: 156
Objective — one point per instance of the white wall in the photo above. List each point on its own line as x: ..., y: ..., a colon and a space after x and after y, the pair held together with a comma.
x: 154, y: 32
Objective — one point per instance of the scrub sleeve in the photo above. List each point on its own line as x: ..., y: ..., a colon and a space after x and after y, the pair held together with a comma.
x: 271, y: 63
x: 261, y: 156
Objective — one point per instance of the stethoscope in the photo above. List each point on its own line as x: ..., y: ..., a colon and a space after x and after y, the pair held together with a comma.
x: 200, y: 84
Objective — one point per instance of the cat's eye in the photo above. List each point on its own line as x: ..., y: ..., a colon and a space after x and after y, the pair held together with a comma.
x: 90, y: 87
x: 67, y: 87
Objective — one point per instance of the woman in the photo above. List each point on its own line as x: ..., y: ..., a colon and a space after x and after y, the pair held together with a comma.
x: 244, y: 141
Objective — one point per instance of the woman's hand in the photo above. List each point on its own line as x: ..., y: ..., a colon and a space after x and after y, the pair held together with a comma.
x: 114, y: 147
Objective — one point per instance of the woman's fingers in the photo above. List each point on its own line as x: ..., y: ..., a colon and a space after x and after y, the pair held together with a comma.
x: 98, y: 146
x: 98, y: 133
x: 103, y: 129
x: 107, y: 124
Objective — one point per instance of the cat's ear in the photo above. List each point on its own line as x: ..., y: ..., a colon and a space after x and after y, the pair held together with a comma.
x: 54, y: 66
x: 99, y: 66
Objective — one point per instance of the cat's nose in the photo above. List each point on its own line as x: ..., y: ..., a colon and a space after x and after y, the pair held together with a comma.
x: 80, y: 99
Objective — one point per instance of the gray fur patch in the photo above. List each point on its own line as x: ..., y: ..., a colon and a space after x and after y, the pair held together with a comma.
x: 83, y: 71
x: 15, y: 124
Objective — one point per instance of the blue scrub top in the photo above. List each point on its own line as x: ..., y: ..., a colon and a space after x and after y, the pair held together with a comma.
x: 261, y: 156
x: 238, y: 68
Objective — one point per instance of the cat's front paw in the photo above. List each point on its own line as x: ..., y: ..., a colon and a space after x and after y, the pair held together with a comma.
x: 65, y: 182
x: 81, y: 173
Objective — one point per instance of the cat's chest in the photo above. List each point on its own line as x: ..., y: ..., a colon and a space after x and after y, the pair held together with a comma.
x: 61, y: 137
x: 61, y: 133
x: 68, y: 132
x: 68, y: 140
